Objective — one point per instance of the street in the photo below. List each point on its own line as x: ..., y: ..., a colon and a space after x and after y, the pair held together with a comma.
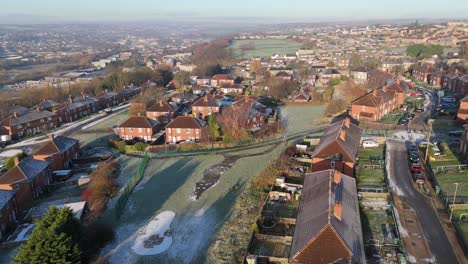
x: 424, y: 213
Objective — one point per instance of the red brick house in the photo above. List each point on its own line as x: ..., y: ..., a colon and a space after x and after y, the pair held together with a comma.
x: 164, y: 112
x: 8, y: 212
x: 455, y: 83
x: 108, y: 99
x: 60, y: 151
x: 29, y: 123
x: 257, y: 113
x: 378, y: 78
x: 328, y: 225
x: 400, y: 87
x: 47, y: 105
x: 463, y: 110
x: 139, y: 127
x: 205, y: 106
x: 29, y: 178
x: 221, y: 79
x: 374, y: 105
x: 337, y: 148
x: 203, y: 81
x: 284, y: 76
x: 464, y: 144
x: 185, y: 128
x: 423, y: 73
x: 76, y: 108
x: 327, y: 75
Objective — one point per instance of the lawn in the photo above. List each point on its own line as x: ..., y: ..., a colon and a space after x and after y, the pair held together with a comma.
x: 300, y: 118
x: 369, y: 176
x: 392, y: 118
x: 447, y: 160
x: 365, y: 154
x: 114, y: 120
x: 264, y: 47
x: 462, y: 226
x: 447, y: 183
x: 168, y: 185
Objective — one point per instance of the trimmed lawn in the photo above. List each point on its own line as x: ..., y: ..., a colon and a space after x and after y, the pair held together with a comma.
x: 449, y: 159
x: 392, y: 118
x: 365, y: 154
x: 369, y: 176
x: 300, y: 118
x: 447, y: 183
x: 462, y: 226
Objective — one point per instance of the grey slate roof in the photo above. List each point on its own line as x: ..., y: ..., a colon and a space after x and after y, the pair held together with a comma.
x: 26, y: 117
x: 64, y: 143
x: 5, y: 196
x: 316, y: 212
x: 32, y: 167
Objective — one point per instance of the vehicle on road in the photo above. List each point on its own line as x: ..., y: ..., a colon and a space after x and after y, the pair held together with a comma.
x: 403, y: 121
x: 455, y: 133
x: 419, y: 109
x: 409, y: 116
x: 413, y: 156
x: 449, y: 99
x: 418, y: 178
x: 415, y: 168
x: 369, y: 144
x: 412, y: 147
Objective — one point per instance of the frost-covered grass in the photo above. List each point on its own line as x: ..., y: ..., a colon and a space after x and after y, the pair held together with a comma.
x: 168, y: 185
x: 299, y: 118
x: 264, y: 47
x: 115, y: 120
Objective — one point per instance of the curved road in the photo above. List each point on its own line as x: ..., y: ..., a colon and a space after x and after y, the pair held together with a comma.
x: 432, y: 230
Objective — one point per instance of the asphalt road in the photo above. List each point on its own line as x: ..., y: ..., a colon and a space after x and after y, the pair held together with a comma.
x: 431, y: 227
x: 420, y: 120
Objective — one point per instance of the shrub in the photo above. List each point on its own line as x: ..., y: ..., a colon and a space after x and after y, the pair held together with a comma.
x: 191, y: 146
x: 120, y: 145
x: 10, y: 162
x: 140, y: 146
x: 102, y: 185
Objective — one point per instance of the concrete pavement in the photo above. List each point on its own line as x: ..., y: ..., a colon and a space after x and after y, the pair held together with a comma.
x: 417, y: 216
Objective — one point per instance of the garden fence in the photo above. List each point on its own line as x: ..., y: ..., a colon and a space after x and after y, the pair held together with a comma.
x: 136, y: 178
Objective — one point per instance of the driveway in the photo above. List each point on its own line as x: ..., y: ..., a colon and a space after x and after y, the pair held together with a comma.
x: 424, y: 212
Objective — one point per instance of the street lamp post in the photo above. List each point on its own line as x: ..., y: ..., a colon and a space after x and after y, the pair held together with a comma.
x: 428, y: 138
x: 454, y: 197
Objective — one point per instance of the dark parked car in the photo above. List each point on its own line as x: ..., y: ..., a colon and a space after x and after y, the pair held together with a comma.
x: 455, y: 133
x: 403, y: 121
x: 412, y: 147
x: 418, y: 178
x: 410, y: 116
x: 413, y: 157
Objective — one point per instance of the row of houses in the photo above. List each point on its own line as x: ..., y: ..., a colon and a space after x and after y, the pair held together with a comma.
x: 179, y: 127
x: 380, y: 102
x: 47, y: 115
x: 455, y: 82
x: 327, y: 228
x: 31, y: 177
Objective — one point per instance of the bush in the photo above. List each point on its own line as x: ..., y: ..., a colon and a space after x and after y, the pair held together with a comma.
x: 102, y: 185
x: 140, y: 146
x: 10, y: 162
x: 190, y: 146
x: 121, y: 146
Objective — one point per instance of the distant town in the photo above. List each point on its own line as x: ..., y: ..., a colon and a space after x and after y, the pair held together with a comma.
x: 286, y: 143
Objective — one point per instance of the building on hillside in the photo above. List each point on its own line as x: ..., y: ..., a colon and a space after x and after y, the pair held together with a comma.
x: 8, y: 212
x: 462, y: 114
x: 374, y: 105
x: 185, y: 128
x: 284, y: 76
x: 31, y: 122
x: 221, y: 79
x: 203, y: 81
x: 77, y: 108
x: 303, y: 97
x: 359, y: 75
x: 162, y: 111
x: 455, y: 83
x: 328, y: 226
x: 337, y: 148
x: 47, y: 105
x: 205, y: 106
x: 464, y: 144
x: 139, y: 128
x: 29, y: 178
x: 108, y: 99
x: 327, y: 75
x: 60, y: 151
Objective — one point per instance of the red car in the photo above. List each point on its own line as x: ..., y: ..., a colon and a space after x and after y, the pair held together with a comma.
x: 415, y: 168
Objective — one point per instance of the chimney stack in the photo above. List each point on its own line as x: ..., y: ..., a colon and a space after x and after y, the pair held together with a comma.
x: 138, y: 114
x: 83, y: 95
x: 375, y: 92
x: 337, y: 210
x: 205, y: 98
x: 161, y: 103
x: 38, y: 109
x: 16, y: 160
x: 337, y: 177
x: 347, y: 121
x: 15, y: 114
x: 51, y: 137
x: 343, y: 134
x: 384, y: 88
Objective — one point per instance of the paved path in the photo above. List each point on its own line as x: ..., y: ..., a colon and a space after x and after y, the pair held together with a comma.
x: 424, y: 213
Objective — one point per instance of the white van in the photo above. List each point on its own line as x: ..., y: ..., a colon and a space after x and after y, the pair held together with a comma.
x: 369, y: 144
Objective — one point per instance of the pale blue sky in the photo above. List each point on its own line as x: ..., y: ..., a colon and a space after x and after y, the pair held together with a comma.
x: 297, y: 10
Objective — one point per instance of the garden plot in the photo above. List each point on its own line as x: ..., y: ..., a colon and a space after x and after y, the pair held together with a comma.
x: 168, y: 186
x: 300, y: 118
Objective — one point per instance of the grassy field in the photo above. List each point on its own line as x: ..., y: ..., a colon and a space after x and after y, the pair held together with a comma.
x: 365, y: 154
x: 264, y: 47
x: 298, y: 118
x: 462, y: 225
x: 447, y: 183
x: 369, y: 176
x: 392, y: 118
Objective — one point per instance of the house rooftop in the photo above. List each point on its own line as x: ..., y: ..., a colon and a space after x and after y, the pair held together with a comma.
x: 186, y: 122
x: 56, y: 144
x: 5, y: 197
x: 25, y: 171
x: 139, y: 122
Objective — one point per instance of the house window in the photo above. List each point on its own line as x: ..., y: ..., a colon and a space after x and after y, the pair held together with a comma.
x: 188, y: 130
x: 178, y: 130
x: 131, y: 129
x: 140, y: 129
x: 332, y: 164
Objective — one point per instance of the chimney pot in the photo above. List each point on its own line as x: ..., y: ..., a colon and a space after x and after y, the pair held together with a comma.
x: 337, y: 210
x: 16, y: 159
x: 347, y: 121
x: 375, y: 92
x: 38, y: 109
x: 15, y: 114
x: 337, y: 177
x: 138, y: 114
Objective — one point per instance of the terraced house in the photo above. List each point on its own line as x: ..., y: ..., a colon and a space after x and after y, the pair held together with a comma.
x: 29, y: 178
x: 337, y: 148
x: 60, y: 151
x: 205, y: 106
x: 76, y: 108
x: 8, y: 212
x: 164, y: 112
x: 328, y: 226
x: 29, y: 123
x: 376, y: 104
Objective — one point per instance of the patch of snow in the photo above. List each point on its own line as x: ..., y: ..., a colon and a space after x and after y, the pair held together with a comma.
x: 156, y: 227
x: 403, y: 231
x: 24, y: 233
x: 10, y: 153
x: 200, y: 212
x: 430, y: 260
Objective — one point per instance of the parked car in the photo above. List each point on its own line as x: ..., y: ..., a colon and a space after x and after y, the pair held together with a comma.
x: 412, y: 147
x: 455, y: 133
x: 410, y: 116
x: 369, y: 144
x: 449, y: 99
x: 415, y: 167
x: 419, y: 109
x: 413, y: 157
x: 447, y: 106
x: 418, y: 178
x: 403, y: 121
